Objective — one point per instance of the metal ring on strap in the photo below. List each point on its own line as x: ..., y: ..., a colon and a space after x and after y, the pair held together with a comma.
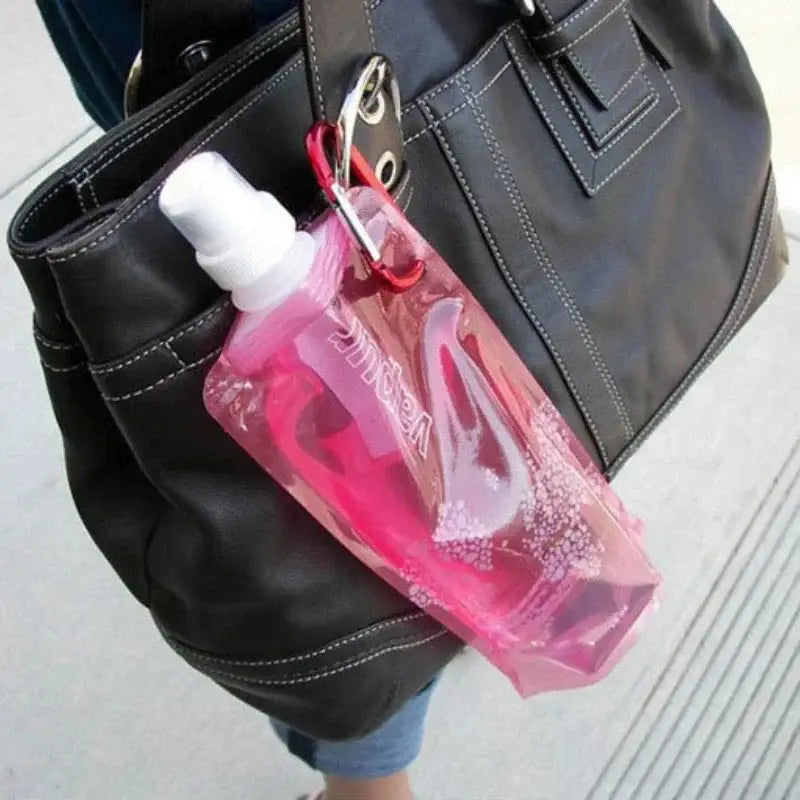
x: 374, y: 77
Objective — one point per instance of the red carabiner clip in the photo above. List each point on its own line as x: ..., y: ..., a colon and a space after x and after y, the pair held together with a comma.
x: 324, y: 139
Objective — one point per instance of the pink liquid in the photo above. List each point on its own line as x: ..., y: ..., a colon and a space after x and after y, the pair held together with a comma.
x: 407, y: 426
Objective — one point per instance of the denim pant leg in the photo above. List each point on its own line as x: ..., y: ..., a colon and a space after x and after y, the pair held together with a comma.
x: 391, y: 748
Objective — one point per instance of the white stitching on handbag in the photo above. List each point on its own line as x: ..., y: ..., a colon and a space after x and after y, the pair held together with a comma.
x: 567, y: 23
x: 315, y: 676
x: 590, y: 187
x: 459, y: 108
x: 529, y: 230
x: 77, y: 186
x: 313, y: 59
x: 650, y: 100
x: 277, y: 662
x: 488, y: 50
x: 608, y: 146
x: 25, y: 222
x: 754, y: 288
x: 119, y: 398
x: 169, y: 348
x: 498, y: 256
x: 100, y: 167
x: 588, y: 31
x: 73, y: 368
x: 53, y: 345
x: 371, y: 29
x: 263, y: 47
x: 279, y: 78
x: 199, y: 323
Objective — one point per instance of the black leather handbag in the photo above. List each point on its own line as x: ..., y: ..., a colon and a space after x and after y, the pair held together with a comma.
x: 597, y: 171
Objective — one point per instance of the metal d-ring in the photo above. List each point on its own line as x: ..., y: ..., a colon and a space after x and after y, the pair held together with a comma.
x: 375, y: 77
x: 131, y: 97
x: 527, y: 7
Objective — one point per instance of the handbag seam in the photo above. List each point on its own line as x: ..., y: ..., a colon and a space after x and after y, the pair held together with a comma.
x: 268, y: 45
x: 642, y: 60
x: 277, y: 662
x: 265, y: 46
x: 606, y: 148
x: 99, y: 167
x: 593, y: 187
x: 501, y: 263
x: 489, y: 48
x: 650, y: 100
x: 548, y: 14
x: 724, y: 332
x: 370, y: 28
x: 87, y: 181
x: 754, y: 286
x: 309, y: 677
x: 59, y: 187
x: 402, y: 187
x: 279, y: 78
x: 61, y: 370
x: 567, y: 23
x: 313, y: 58
x: 168, y: 347
x: 407, y: 204
x: 105, y: 369
x: 76, y: 186
x: 588, y: 32
x: 459, y: 108
x: 119, y: 398
x: 44, y: 342
x: 584, y: 71
x: 530, y: 233
x: 618, y: 137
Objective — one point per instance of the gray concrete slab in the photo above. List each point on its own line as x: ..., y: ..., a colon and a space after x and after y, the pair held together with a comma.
x: 40, y: 112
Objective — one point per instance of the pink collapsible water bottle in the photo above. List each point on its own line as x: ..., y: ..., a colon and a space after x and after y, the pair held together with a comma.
x: 406, y: 424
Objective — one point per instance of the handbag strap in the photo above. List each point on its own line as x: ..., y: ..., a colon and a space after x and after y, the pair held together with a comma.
x: 179, y: 37
x: 339, y: 35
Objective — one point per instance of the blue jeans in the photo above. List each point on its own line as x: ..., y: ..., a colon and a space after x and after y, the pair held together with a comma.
x: 387, y: 750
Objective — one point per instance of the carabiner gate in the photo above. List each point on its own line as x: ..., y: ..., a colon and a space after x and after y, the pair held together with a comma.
x: 323, y: 143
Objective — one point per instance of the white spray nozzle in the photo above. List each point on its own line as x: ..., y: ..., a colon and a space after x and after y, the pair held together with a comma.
x: 239, y: 233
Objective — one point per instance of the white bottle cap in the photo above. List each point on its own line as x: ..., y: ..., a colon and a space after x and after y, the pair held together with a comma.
x: 241, y: 235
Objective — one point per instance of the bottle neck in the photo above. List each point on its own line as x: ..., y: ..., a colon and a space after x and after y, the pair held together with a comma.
x: 281, y: 280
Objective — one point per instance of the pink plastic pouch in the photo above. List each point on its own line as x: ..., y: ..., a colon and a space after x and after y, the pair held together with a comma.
x: 406, y: 424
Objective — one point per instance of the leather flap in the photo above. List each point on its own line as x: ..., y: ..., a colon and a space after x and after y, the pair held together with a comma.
x: 598, y: 40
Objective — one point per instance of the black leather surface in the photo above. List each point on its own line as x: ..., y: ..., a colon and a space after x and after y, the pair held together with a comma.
x: 619, y: 241
x: 170, y: 27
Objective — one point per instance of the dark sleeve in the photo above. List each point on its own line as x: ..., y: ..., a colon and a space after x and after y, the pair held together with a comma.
x: 98, y: 41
